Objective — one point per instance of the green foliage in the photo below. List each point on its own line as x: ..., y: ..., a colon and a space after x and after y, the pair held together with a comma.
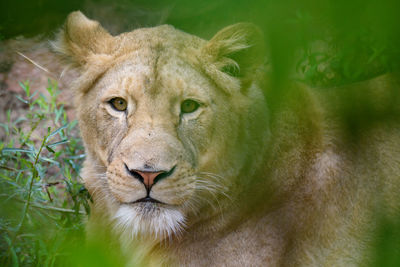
x: 386, y: 247
x: 42, y: 198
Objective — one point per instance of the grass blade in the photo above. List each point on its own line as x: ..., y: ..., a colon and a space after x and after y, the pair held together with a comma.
x: 22, y: 100
x: 13, y: 149
x: 14, y: 257
x: 57, y: 131
x: 58, y: 143
x: 49, y: 160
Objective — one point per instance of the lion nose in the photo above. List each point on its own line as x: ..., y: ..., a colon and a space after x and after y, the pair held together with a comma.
x: 150, y: 178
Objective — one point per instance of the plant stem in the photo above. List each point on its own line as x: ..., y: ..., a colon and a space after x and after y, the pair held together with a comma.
x: 33, y: 128
x: 34, y: 205
x: 56, y: 209
x: 27, y: 203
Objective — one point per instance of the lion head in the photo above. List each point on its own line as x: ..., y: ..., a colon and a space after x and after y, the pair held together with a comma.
x: 170, y: 122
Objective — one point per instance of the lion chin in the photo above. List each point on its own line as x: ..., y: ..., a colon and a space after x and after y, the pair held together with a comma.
x: 148, y: 220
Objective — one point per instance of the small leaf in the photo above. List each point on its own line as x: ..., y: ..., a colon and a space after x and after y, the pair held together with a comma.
x: 57, y: 131
x: 20, y: 119
x: 49, y: 160
x: 59, y: 143
x: 25, y: 87
x: 33, y: 95
x: 50, y: 149
x: 8, y: 168
x: 21, y: 99
x: 12, y: 149
x: 81, y: 156
x: 59, y: 112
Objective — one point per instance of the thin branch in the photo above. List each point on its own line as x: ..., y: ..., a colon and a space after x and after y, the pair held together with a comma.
x: 34, y: 205
x: 34, y: 175
x: 56, y: 209
x: 36, y: 64
x: 8, y: 168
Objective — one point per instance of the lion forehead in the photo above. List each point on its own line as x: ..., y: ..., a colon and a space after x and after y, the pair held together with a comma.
x: 150, y: 72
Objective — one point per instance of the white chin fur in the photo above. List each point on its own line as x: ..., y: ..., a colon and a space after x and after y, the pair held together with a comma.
x: 148, y: 219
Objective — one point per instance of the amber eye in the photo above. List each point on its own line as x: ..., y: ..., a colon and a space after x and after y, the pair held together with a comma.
x: 118, y: 104
x: 189, y: 106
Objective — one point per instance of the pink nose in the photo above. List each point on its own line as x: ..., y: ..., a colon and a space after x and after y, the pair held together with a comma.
x: 148, y: 177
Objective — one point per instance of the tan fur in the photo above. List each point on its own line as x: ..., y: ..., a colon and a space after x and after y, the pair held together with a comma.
x: 253, y: 185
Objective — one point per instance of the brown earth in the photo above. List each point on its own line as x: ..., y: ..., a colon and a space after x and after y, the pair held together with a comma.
x: 30, y: 60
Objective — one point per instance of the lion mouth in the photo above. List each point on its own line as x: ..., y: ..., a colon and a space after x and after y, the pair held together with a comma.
x: 148, y: 200
x: 148, y: 206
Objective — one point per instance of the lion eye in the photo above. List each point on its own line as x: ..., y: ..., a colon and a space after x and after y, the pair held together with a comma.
x: 118, y: 104
x: 189, y: 106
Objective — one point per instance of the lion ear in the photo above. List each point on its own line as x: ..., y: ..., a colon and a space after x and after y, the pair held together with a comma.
x: 237, y: 49
x: 81, y: 38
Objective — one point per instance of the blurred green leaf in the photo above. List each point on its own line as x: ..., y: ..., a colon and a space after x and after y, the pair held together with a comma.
x: 58, y: 143
x: 15, y: 262
x: 57, y: 131
x: 22, y: 100
x: 12, y: 149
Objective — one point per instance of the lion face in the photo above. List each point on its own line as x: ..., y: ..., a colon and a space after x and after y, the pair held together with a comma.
x: 166, y: 131
x: 152, y: 144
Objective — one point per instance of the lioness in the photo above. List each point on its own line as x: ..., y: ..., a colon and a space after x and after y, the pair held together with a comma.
x: 188, y: 163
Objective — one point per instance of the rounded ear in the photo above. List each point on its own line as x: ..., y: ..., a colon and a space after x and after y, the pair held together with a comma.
x: 81, y: 38
x: 237, y: 50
